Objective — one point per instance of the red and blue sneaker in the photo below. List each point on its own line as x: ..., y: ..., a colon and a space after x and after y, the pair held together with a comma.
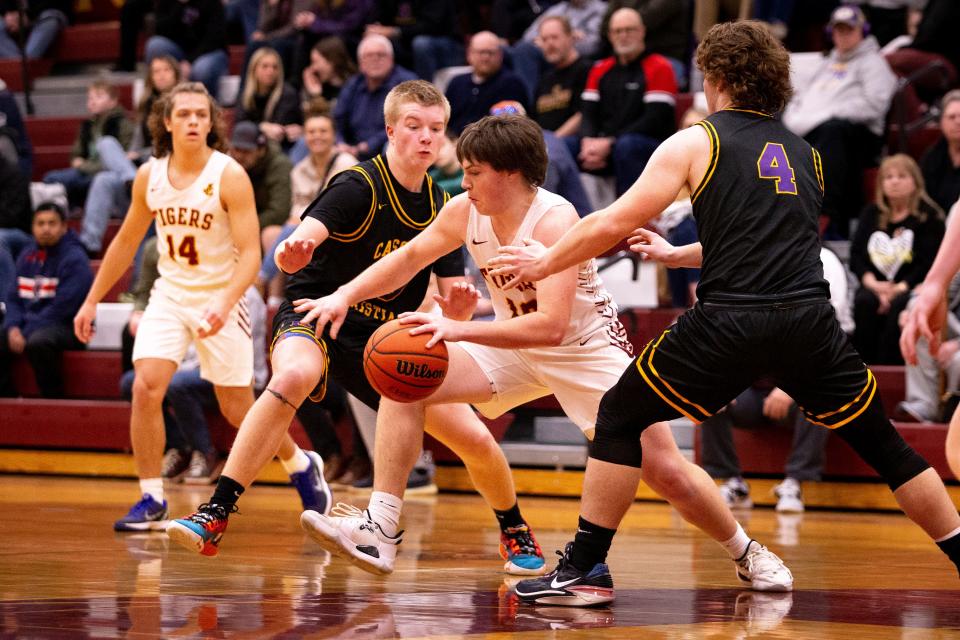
x: 522, y: 553
x: 567, y: 586
x: 146, y: 515
x: 201, y: 531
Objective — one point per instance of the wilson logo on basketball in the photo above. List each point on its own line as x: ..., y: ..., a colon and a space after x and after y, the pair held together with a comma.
x: 414, y: 370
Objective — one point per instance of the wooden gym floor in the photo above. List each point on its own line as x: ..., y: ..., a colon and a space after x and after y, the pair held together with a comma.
x: 64, y: 573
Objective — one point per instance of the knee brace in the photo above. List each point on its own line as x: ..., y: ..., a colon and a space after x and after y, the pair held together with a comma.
x: 617, y: 446
x: 875, y: 439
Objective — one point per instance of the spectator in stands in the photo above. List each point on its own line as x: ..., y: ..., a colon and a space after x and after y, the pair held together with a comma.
x: 584, y: 16
x: 275, y: 28
x: 667, y: 27
x: 776, y: 13
x: 887, y: 18
x: 941, y: 163
x: 14, y: 141
x: 308, y: 178
x: 425, y: 33
x: 841, y: 112
x: 195, y: 33
x: 109, y: 194
x: 557, y: 99
x: 45, y: 19
x: 925, y: 395
x: 15, y: 213
x: 52, y: 278
x: 937, y: 33
x: 133, y: 14
x: 341, y: 18
x: 245, y: 13
x: 509, y: 19
x: 472, y: 94
x: 896, y: 240
x: 330, y: 67
x: 627, y: 105
x: 359, y: 110
x: 269, y: 171
x: 107, y: 118
x: 268, y: 101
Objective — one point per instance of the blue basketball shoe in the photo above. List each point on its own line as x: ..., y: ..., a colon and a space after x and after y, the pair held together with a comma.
x: 522, y: 553
x: 146, y: 515
x: 567, y: 586
x: 315, y: 494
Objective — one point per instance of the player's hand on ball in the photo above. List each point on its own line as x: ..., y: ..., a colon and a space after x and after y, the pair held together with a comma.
x: 293, y: 255
x: 329, y: 309
x: 651, y: 246
x: 524, y: 263
x: 441, y: 328
x: 83, y: 322
x: 460, y: 302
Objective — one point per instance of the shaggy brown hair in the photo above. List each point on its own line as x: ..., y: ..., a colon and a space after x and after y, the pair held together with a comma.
x: 506, y: 143
x: 753, y: 66
x: 162, y: 108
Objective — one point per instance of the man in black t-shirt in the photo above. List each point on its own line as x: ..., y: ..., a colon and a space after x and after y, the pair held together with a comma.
x: 367, y: 212
x: 557, y: 100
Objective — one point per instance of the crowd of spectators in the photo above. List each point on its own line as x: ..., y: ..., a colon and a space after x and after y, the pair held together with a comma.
x: 601, y: 78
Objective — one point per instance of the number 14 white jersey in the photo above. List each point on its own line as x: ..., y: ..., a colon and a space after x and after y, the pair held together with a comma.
x: 194, y: 238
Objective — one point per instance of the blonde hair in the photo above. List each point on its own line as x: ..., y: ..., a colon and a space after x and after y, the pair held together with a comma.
x: 252, y: 87
x: 909, y: 166
x: 418, y: 91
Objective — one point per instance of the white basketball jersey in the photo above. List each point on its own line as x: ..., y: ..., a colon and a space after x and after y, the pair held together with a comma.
x: 593, y: 307
x: 193, y: 229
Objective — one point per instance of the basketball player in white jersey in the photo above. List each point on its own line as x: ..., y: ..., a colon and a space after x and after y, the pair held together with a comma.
x: 560, y: 335
x: 202, y: 204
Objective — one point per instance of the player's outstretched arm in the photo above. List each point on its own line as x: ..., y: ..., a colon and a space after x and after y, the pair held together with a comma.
x: 652, y: 246
x: 666, y: 172
x: 118, y: 256
x: 296, y: 251
x: 393, y: 271
x: 927, y: 313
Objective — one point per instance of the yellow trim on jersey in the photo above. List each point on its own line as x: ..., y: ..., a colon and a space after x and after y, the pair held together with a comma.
x: 649, y: 361
x: 818, y: 168
x: 758, y: 113
x: 714, y: 157
x: 365, y: 225
x: 395, y: 200
x: 870, y: 386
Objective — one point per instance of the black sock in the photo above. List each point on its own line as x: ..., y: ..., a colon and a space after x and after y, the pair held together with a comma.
x: 509, y: 518
x: 227, y: 493
x: 951, y: 547
x: 590, y: 545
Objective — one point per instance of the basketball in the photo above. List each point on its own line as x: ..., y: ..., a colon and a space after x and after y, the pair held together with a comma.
x: 400, y: 367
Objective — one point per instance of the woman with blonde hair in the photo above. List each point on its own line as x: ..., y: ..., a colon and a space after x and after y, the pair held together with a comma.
x: 268, y: 101
x: 894, y: 246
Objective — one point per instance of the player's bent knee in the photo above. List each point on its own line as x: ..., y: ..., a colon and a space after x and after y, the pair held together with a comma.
x: 877, y: 441
x: 667, y: 476
x: 293, y: 384
x: 147, y: 391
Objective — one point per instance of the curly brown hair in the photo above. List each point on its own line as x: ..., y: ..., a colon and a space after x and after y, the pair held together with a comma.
x: 750, y: 62
x: 163, y: 108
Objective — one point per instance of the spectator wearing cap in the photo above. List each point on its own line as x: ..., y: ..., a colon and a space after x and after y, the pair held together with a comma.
x: 52, y: 279
x: 472, y: 94
x: 359, y: 110
x: 269, y: 170
x: 627, y: 105
x: 842, y: 111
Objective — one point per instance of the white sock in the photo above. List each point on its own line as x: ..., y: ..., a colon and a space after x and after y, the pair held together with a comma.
x: 385, y: 510
x: 737, y: 545
x: 152, y: 487
x: 949, y: 535
x: 298, y: 462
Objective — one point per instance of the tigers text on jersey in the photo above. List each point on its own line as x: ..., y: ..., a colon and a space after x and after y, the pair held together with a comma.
x: 758, y: 202
x: 593, y: 307
x: 194, y: 238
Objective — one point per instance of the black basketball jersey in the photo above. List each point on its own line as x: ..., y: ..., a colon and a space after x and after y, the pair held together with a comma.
x: 757, y: 209
x: 369, y: 214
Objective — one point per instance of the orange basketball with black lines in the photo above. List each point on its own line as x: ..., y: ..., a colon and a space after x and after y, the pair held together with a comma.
x: 399, y: 365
